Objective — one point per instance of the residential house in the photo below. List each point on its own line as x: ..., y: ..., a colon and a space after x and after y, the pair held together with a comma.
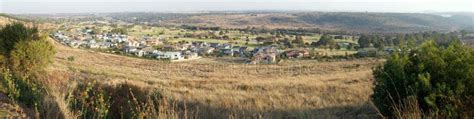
x: 74, y: 44
x: 168, y: 48
x: 181, y: 47
x: 297, y: 53
x: 190, y: 55
x: 226, y: 46
x: 263, y: 58
x: 205, y: 50
x: 227, y: 52
x: 243, y: 51
x: 215, y: 45
x: 236, y: 49
x: 170, y: 55
x: 139, y: 53
x: 105, y: 45
x: 153, y: 42
x: 130, y: 49
x: 265, y: 55
x: 148, y: 51
x: 199, y: 44
x: 132, y: 44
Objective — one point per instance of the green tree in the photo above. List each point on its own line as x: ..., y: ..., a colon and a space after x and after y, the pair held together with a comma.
x: 399, y: 40
x: 298, y: 40
x: 364, y: 41
x: 463, y: 34
x: 439, y: 78
x: 378, y: 42
x: 24, y: 53
x: 14, y: 33
x: 326, y: 41
x: 31, y: 56
x: 119, y: 31
x: 221, y: 33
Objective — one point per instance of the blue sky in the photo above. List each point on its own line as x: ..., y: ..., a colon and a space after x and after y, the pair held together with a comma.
x: 94, y: 6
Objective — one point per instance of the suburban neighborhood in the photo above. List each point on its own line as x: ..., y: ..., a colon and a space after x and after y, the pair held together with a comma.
x: 181, y: 44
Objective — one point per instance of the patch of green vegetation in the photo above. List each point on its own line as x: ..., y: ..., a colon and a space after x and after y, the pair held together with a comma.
x: 125, y: 100
x: 24, y: 54
x: 432, y: 81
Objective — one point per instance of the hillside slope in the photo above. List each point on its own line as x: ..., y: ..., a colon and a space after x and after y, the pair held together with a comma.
x: 384, y: 22
x: 356, y: 22
x: 6, y: 19
x: 9, y: 108
x: 219, y: 88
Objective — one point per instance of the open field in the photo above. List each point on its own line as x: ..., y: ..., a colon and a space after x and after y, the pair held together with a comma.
x: 224, y: 87
x: 228, y: 88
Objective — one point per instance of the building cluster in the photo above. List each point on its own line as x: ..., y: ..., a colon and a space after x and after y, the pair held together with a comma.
x: 87, y: 40
x: 153, y: 47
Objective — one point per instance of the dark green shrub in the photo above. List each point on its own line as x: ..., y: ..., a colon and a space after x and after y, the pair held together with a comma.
x: 131, y: 101
x: 121, y: 101
x: 23, y: 50
x: 2, y: 62
x: 440, y: 78
x: 31, y: 56
x: 24, y: 53
x: 90, y: 100
x: 119, y: 31
x: 71, y: 58
x: 11, y: 34
x: 28, y: 91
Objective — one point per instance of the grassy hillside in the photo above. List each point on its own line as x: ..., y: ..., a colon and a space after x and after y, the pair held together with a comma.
x: 9, y: 108
x: 5, y: 19
x: 385, y: 22
x: 224, y: 88
x: 335, y: 21
x: 8, y: 19
x: 356, y: 22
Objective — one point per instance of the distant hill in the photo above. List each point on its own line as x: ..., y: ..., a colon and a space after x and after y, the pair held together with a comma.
x: 362, y: 22
x: 345, y: 21
x: 5, y: 19
x: 388, y: 22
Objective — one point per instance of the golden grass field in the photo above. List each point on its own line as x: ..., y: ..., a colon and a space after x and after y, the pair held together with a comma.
x: 227, y: 88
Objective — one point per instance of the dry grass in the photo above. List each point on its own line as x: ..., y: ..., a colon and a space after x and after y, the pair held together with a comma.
x: 6, y: 20
x: 10, y: 109
x: 224, y: 88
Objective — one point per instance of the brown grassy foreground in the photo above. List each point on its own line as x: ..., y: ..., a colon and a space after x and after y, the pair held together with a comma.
x: 225, y: 88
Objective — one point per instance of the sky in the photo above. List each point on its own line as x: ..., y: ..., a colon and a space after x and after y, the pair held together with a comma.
x: 104, y: 6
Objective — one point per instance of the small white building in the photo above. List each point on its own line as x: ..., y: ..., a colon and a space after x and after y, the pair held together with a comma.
x: 139, y: 53
x: 190, y: 55
x: 170, y: 55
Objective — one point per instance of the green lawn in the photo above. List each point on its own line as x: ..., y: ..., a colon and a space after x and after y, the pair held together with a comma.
x: 139, y: 31
x: 235, y: 42
x: 335, y: 52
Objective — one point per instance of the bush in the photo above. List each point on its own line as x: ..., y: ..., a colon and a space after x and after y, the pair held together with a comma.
x: 119, y: 31
x: 14, y: 33
x: 95, y: 100
x: 2, y: 62
x: 23, y: 53
x: 90, y: 100
x: 31, y: 56
x: 23, y: 50
x: 71, y: 58
x: 29, y: 92
x: 440, y: 78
